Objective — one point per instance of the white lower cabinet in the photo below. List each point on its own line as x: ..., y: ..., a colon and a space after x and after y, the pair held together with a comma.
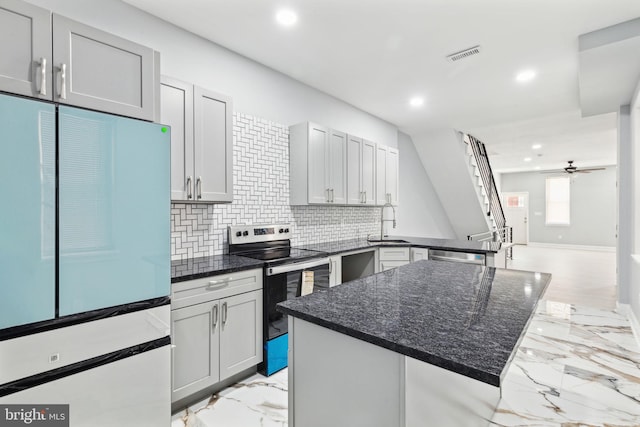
x: 418, y: 254
x: 217, y: 338
x: 240, y: 333
x: 392, y: 257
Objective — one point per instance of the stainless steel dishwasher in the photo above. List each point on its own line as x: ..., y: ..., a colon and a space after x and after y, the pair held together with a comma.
x: 452, y: 256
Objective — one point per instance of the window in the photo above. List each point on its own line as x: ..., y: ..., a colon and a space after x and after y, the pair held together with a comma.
x: 515, y: 202
x: 558, y: 201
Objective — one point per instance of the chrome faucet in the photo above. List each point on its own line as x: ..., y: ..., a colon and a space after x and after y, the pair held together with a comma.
x: 382, y: 220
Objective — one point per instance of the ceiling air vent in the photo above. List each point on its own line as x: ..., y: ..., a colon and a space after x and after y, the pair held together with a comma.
x: 463, y: 54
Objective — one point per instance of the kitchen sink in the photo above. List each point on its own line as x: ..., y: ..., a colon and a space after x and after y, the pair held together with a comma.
x: 386, y: 241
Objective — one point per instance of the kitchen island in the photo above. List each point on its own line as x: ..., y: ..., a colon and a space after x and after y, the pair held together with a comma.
x: 423, y: 344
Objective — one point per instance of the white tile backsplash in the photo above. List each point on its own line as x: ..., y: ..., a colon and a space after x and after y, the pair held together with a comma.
x: 261, y: 196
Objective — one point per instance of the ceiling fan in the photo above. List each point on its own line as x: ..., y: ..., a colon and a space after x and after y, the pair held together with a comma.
x: 574, y: 169
x: 571, y: 169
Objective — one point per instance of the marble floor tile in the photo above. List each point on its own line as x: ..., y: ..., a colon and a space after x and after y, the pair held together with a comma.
x: 587, y: 377
x: 257, y: 401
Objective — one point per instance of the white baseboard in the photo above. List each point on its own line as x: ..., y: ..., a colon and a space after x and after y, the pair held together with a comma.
x: 577, y: 247
x: 625, y: 309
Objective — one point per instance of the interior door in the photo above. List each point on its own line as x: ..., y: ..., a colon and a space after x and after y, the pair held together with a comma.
x: 516, y: 212
x: 27, y: 220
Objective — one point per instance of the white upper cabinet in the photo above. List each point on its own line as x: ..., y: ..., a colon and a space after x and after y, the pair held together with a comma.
x: 25, y: 43
x: 330, y: 167
x: 391, y: 177
x: 368, y: 161
x: 318, y: 161
x: 201, y: 142
x: 318, y: 165
x: 176, y: 110
x: 355, y: 195
x: 97, y: 70
x: 381, y: 174
x: 213, y: 146
x: 387, y: 160
x: 51, y: 57
x: 337, y: 167
x: 360, y: 171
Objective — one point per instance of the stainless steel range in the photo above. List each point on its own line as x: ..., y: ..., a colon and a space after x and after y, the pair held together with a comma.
x: 288, y: 272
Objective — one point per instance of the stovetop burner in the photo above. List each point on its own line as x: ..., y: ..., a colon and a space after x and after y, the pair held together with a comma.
x: 281, y: 255
x: 269, y: 243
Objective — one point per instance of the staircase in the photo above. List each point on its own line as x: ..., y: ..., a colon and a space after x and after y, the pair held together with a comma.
x: 480, y: 169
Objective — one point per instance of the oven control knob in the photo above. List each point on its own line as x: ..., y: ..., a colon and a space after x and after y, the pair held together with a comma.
x: 286, y: 230
x: 245, y: 233
x: 281, y: 230
x: 238, y: 233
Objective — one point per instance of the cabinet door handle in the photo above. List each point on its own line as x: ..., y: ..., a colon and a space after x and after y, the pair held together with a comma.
x: 224, y: 313
x: 43, y: 76
x: 214, y: 315
x: 332, y: 195
x: 217, y: 284
x: 63, y: 81
x: 189, y: 188
x: 199, y: 187
x: 327, y: 195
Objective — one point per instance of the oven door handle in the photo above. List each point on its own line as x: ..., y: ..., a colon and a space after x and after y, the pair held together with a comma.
x: 299, y: 266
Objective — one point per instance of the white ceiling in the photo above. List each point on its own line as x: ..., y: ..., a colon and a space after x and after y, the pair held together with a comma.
x: 376, y: 54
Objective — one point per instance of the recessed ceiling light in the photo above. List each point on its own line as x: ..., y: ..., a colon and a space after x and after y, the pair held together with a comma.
x: 527, y: 159
x: 536, y: 146
x: 416, y: 101
x: 286, y: 17
x: 537, y: 168
x: 525, y: 76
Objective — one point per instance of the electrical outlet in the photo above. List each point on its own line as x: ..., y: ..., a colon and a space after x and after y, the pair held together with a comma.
x: 54, y: 358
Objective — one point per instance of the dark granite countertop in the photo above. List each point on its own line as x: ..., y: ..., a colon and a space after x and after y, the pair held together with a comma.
x: 472, y: 246
x: 195, y: 268
x: 465, y: 318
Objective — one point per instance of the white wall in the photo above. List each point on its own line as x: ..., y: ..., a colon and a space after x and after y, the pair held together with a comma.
x: 593, y: 208
x: 625, y: 204
x: 420, y: 212
x: 634, y: 280
x: 256, y: 90
x: 444, y: 157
